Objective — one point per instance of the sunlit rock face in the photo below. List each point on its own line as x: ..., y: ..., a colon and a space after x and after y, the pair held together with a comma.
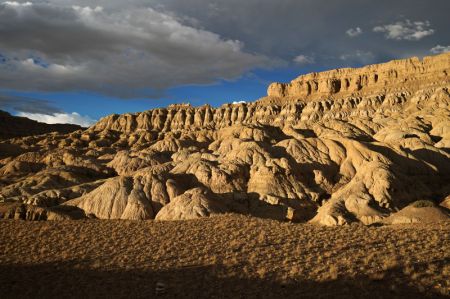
x: 342, y: 146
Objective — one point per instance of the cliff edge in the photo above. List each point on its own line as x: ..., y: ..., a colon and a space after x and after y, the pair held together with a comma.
x: 407, y: 74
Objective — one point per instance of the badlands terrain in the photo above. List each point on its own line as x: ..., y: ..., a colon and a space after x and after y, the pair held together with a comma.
x: 333, y: 185
x: 331, y: 148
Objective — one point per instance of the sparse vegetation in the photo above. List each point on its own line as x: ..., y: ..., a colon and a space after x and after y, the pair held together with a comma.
x: 225, y: 256
x: 423, y: 204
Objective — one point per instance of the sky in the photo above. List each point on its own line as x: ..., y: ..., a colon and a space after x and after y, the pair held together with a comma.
x: 66, y: 61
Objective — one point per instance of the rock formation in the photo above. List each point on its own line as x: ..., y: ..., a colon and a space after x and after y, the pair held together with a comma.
x: 192, y: 204
x: 407, y: 74
x: 332, y: 148
x: 418, y: 212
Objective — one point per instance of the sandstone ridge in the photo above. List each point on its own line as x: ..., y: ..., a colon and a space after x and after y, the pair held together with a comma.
x: 407, y: 74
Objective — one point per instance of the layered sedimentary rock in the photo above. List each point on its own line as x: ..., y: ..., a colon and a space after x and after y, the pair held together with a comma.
x: 332, y: 153
x: 332, y: 94
x: 407, y: 74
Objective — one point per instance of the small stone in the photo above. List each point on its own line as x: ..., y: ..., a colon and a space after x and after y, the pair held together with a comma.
x: 160, y: 288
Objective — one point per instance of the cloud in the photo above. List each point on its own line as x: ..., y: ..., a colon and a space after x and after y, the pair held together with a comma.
x: 406, y: 30
x: 14, y: 3
x: 354, y: 32
x: 239, y: 102
x: 305, y: 26
x: 362, y: 57
x: 60, y: 118
x: 440, y: 49
x: 303, y: 59
x: 28, y: 105
x: 42, y: 111
x: 143, y: 47
x: 128, y: 52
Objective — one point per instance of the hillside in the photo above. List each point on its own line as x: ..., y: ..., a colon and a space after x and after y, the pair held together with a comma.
x: 15, y: 126
x: 332, y: 148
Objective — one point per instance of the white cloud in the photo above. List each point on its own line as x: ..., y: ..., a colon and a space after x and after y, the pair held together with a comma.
x: 440, y: 49
x: 87, y: 10
x: 60, y: 118
x: 354, y: 32
x: 14, y: 3
x: 239, y: 102
x: 303, y: 59
x: 406, y: 30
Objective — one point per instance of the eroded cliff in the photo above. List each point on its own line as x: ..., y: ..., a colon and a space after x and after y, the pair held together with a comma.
x: 332, y: 148
x: 397, y: 75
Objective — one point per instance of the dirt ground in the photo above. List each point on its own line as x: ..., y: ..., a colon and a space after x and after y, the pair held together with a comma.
x: 222, y: 257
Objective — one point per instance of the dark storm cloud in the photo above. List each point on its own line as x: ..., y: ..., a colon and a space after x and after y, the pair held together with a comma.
x: 27, y: 105
x: 128, y: 51
x: 143, y: 47
x: 288, y: 28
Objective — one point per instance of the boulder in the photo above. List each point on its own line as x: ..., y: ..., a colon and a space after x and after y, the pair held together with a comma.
x: 192, y: 204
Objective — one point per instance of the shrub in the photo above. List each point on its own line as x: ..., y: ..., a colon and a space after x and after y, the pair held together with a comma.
x: 424, y: 204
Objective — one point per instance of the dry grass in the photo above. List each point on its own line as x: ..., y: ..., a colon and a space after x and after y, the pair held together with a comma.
x: 226, y: 256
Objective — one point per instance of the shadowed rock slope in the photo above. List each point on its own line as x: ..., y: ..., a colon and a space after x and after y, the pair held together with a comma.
x: 331, y: 148
x: 14, y: 126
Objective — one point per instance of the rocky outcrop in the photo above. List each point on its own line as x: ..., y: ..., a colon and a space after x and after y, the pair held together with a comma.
x: 407, y: 74
x: 118, y: 198
x: 332, y: 157
x: 19, y: 211
x: 336, y: 94
x: 446, y: 203
x: 419, y: 212
x: 191, y: 205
